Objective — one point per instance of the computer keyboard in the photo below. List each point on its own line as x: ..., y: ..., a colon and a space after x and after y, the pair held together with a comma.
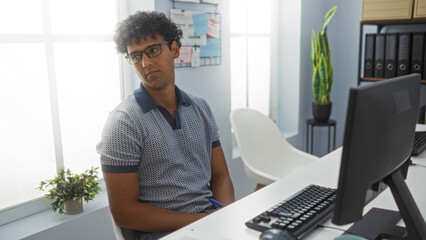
x: 419, y: 144
x: 300, y: 213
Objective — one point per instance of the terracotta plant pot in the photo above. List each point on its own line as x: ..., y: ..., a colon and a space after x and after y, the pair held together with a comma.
x: 74, y: 207
x: 321, y: 112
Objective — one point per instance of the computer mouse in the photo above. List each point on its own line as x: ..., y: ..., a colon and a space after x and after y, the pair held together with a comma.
x: 276, y: 234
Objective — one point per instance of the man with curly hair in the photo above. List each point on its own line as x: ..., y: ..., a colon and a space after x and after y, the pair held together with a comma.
x: 160, y: 151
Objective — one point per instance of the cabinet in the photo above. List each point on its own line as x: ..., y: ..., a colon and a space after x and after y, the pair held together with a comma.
x: 373, y: 10
x: 419, y: 9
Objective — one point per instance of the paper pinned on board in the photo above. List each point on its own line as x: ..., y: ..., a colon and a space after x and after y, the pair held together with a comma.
x: 183, y: 19
x: 212, y: 49
x: 200, y: 22
x: 214, y: 29
x: 195, y: 60
x: 185, y: 55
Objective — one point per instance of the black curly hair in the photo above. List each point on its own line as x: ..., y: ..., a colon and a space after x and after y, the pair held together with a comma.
x: 142, y: 24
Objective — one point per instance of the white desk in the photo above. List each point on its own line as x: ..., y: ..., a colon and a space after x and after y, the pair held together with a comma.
x: 228, y: 223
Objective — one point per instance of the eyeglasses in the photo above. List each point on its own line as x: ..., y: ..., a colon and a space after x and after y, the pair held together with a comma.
x: 151, y: 51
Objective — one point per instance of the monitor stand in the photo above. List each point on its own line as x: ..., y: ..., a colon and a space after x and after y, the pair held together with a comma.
x: 381, y: 223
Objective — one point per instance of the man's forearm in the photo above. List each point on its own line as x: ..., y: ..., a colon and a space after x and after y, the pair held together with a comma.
x: 220, y: 183
x: 128, y: 212
x: 223, y: 190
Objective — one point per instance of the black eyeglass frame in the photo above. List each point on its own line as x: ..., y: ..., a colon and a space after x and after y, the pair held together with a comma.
x: 146, y: 53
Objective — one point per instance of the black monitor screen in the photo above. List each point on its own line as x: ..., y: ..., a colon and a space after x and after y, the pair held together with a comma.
x: 379, y: 133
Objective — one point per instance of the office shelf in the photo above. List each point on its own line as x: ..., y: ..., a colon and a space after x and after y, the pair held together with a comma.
x: 380, y: 79
x: 386, y: 26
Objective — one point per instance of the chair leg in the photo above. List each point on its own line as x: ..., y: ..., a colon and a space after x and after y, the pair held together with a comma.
x: 259, y: 186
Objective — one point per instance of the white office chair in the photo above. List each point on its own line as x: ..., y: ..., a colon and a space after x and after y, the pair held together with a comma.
x: 266, y: 154
x: 122, y: 233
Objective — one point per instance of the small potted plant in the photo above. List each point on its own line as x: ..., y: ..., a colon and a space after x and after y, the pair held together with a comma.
x: 68, y: 190
x: 322, y: 71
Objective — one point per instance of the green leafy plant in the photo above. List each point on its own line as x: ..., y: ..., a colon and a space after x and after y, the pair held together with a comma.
x: 67, y: 186
x: 322, y: 70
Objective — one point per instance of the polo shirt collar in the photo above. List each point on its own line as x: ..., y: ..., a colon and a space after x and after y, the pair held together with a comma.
x: 147, y: 103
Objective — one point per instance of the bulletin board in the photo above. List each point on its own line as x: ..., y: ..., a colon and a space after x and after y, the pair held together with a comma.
x: 201, y: 41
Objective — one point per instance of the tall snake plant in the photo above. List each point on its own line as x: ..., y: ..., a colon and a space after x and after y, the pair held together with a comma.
x: 322, y: 77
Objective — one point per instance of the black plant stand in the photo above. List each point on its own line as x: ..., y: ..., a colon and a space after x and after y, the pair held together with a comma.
x: 310, y: 124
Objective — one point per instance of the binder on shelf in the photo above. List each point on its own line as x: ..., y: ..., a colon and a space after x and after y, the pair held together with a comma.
x: 390, y: 54
x: 379, y: 56
x: 370, y: 40
x: 404, y: 50
x: 417, y: 53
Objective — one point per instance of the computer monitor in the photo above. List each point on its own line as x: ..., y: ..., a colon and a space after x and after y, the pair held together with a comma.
x: 379, y: 133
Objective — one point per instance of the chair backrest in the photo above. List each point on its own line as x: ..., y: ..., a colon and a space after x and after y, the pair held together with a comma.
x: 266, y: 154
x: 122, y: 233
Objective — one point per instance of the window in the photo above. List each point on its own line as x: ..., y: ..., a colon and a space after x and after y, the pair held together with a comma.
x: 252, y: 42
x: 59, y: 80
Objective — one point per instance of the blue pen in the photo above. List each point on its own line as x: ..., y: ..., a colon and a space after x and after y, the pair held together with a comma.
x: 216, y: 203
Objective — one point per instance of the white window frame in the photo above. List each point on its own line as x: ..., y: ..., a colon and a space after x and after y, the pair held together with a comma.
x: 36, y: 205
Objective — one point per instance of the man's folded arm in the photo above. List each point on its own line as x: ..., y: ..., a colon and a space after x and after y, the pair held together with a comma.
x: 128, y: 212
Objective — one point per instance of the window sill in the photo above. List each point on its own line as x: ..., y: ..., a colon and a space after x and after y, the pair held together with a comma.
x: 44, y: 220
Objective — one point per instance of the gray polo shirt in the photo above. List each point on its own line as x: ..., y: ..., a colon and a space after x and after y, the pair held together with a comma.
x: 172, y: 156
